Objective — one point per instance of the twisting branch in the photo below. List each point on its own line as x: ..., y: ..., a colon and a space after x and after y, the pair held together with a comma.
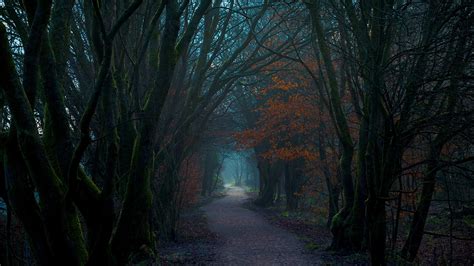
x: 183, y: 7
x: 33, y: 48
x: 125, y: 16
x: 98, y: 87
x: 148, y: 35
x: 192, y: 27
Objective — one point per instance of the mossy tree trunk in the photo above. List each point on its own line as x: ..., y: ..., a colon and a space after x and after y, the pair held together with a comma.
x: 332, y: 186
x: 134, y: 236
x: 340, y: 221
x: 52, y: 224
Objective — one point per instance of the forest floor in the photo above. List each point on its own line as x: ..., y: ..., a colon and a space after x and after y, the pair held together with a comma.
x: 248, y: 238
x: 195, y: 243
x: 315, y: 236
x: 434, y: 250
x: 230, y: 230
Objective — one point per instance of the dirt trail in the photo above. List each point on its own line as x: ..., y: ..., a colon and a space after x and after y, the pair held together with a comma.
x: 248, y: 239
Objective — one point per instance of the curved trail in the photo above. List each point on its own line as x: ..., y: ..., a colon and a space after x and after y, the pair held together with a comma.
x: 248, y: 239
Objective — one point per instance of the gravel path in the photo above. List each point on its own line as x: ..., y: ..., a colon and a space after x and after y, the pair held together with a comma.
x: 248, y: 239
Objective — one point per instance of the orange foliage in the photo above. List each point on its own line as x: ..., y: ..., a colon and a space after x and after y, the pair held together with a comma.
x: 289, y: 118
x: 291, y: 122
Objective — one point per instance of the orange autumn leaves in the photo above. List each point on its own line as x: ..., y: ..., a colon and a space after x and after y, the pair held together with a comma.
x: 288, y: 119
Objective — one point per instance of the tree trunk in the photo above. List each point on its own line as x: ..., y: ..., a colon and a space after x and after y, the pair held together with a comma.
x: 417, y: 228
x: 341, y: 239
x: 267, y: 194
x: 333, y: 202
x: 290, y: 186
x: 134, y: 235
x: 356, y: 221
x: 376, y: 223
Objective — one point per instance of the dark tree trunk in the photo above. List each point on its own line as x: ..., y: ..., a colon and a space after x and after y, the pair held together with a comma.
x: 333, y: 202
x: 291, y: 186
x: 417, y: 228
x: 376, y: 223
x: 269, y: 184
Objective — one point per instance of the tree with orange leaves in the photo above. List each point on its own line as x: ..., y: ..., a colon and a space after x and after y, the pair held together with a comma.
x: 288, y: 132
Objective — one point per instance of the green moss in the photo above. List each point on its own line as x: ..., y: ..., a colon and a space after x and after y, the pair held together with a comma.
x: 337, y: 220
x: 469, y: 220
x: 311, y: 246
x: 132, y: 234
x: 76, y: 234
x: 49, y: 141
x: 354, y: 229
x: 436, y: 220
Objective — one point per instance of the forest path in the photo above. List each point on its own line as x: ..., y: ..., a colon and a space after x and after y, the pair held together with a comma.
x: 248, y: 239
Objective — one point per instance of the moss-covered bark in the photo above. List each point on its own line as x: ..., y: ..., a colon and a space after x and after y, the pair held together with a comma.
x: 134, y: 234
x: 53, y: 224
x: 22, y: 200
x: 59, y: 219
x: 339, y: 223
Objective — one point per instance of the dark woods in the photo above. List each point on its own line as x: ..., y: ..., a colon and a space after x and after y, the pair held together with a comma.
x: 116, y: 115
